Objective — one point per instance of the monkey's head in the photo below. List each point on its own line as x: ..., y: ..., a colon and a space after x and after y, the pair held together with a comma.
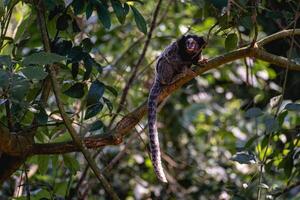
x: 190, y: 46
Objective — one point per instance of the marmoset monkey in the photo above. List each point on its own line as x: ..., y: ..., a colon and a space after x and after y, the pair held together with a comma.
x: 172, y: 64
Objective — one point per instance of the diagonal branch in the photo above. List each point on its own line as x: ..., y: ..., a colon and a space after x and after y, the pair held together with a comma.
x: 276, y: 36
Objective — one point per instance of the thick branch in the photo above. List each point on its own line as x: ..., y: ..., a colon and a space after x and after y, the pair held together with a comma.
x: 13, y: 143
x: 276, y: 60
x: 278, y: 35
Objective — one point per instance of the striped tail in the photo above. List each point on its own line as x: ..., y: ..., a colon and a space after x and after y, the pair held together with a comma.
x: 153, y: 134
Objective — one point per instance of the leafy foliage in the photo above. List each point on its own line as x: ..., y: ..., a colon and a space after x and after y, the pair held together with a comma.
x: 223, y: 137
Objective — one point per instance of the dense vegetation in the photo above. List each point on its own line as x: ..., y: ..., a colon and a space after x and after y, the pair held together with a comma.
x: 75, y: 76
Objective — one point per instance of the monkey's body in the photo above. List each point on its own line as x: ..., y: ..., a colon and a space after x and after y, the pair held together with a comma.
x: 173, y: 63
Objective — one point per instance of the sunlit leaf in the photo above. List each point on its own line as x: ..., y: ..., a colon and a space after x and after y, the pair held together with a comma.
x: 43, y: 163
x: 231, y: 41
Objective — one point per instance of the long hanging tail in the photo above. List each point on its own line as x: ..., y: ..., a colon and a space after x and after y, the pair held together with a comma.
x: 153, y: 134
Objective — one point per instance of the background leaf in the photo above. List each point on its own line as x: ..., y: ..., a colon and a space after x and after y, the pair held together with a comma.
x: 42, y: 58
x: 139, y: 20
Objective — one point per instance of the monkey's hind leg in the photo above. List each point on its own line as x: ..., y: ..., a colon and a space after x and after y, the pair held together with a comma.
x: 185, y: 72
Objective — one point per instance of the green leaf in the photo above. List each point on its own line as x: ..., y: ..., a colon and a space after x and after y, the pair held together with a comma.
x: 246, y: 22
x: 103, y: 14
x: 20, y: 87
x: 271, y: 124
x: 41, y: 116
x: 281, y: 117
x: 244, y: 158
x: 5, y: 60
x: 75, y: 91
x: 62, y: 23
x: 199, y: 3
x: 88, y: 65
x: 108, y: 103
x: 97, y: 125
x: 76, y: 54
x: 251, y: 141
x: 231, y: 41
x: 75, y: 69
x: 89, y: 10
x: 78, y: 6
x: 112, y: 90
x: 42, y: 58
x: 43, y: 163
x: 23, y: 27
x: 71, y: 163
x: 253, y: 112
x: 292, y: 107
x: 34, y: 73
x: 93, y: 110
x: 288, y: 165
x: 4, y: 79
x: 265, y: 141
x: 54, y: 161
x: 219, y: 3
x: 96, y: 91
x: 139, y: 20
x: 87, y: 44
x: 119, y: 10
x: 2, y: 9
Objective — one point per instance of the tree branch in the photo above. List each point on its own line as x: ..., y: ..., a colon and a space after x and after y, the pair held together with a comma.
x: 276, y: 36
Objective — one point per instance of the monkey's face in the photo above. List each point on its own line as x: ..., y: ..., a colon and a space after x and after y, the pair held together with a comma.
x: 191, y: 45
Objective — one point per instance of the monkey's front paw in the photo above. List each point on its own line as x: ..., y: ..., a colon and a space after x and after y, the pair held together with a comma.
x: 203, y: 61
